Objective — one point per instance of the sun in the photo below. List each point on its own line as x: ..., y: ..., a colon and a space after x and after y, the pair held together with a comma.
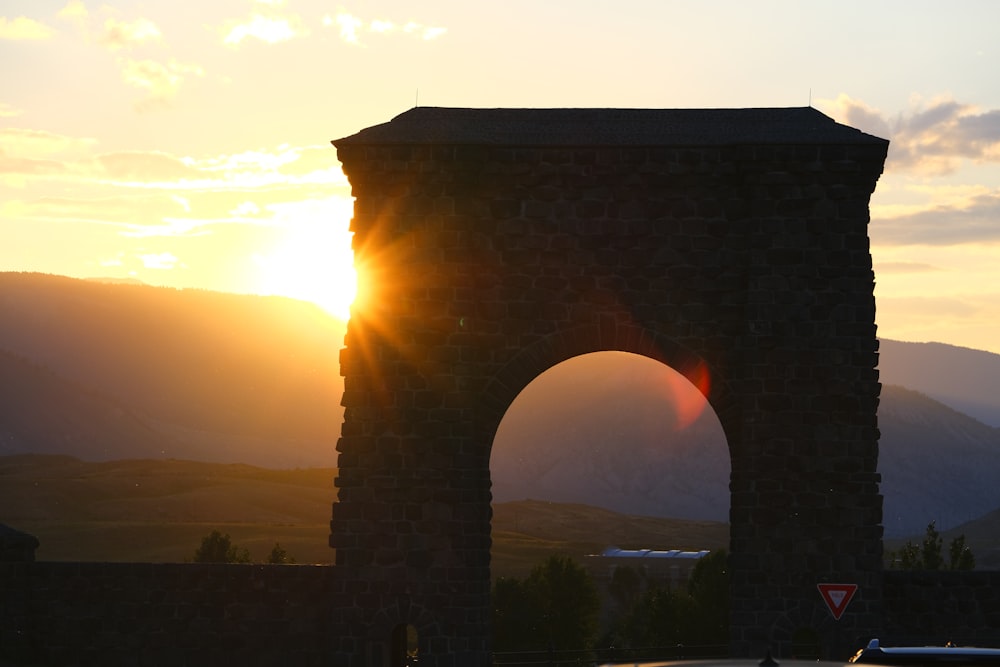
x: 312, y: 261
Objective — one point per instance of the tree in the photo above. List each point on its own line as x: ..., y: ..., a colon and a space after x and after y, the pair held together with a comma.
x: 218, y: 548
x: 556, y: 608
x: 279, y: 556
x: 930, y: 550
x: 515, y: 619
x: 961, y: 557
x: 567, y: 599
x: 708, y: 588
x: 696, y: 616
x: 928, y: 555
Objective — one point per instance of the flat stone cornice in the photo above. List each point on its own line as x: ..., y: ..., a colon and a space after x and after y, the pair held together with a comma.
x: 610, y: 127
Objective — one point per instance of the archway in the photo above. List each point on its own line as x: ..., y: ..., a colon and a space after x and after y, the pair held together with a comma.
x: 498, y: 243
x: 618, y: 431
x: 619, y: 464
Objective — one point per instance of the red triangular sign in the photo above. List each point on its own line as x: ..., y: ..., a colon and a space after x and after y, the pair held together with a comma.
x: 836, y: 597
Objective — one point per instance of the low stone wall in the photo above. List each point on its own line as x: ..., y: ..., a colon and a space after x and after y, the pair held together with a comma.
x: 172, y: 614
x: 924, y: 608
x: 110, y: 614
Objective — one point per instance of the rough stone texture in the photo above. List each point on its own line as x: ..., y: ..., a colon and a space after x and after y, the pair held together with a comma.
x: 933, y: 608
x: 129, y: 614
x: 731, y: 245
x: 15, y: 546
x: 118, y: 614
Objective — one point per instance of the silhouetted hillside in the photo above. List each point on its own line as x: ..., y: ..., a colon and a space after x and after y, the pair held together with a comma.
x: 615, y: 430
x: 41, y: 412
x: 965, y: 379
x: 105, y: 371
x: 606, y: 430
x: 158, y: 511
x: 225, y: 375
x: 937, y: 464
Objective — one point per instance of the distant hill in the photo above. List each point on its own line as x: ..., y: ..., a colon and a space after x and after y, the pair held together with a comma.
x: 119, y: 371
x: 605, y: 430
x: 937, y: 464
x: 158, y: 511
x: 964, y: 379
x: 218, y: 377
x: 42, y: 412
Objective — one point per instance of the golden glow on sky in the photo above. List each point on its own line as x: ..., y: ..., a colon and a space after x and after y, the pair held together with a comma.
x: 188, y: 146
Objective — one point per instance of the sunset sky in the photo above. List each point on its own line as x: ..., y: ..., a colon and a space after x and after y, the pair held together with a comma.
x: 186, y: 143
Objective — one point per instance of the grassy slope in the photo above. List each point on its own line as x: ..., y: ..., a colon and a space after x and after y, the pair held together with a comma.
x: 158, y: 511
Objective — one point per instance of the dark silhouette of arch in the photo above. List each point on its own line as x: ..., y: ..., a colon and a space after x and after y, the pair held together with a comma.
x: 495, y: 243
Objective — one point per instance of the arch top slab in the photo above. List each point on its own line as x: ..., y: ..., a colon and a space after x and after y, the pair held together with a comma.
x: 797, y: 126
x: 496, y: 242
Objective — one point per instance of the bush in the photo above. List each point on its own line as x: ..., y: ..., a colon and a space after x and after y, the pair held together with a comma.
x: 218, y: 548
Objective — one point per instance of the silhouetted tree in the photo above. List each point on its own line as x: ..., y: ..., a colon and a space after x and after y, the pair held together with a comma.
x: 625, y: 586
x: 556, y: 608
x: 279, y: 556
x: 516, y: 623
x: 696, y: 615
x: 218, y: 548
x: 708, y: 588
x: 928, y: 555
x: 961, y: 557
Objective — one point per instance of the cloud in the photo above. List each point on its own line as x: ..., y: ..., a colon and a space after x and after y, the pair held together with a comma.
x: 245, y: 209
x: 27, y: 153
x: 24, y: 29
x: 160, y: 80
x: 973, y: 222
x: 28, y: 143
x: 266, y: 29
x: 8, y: 111
x: 74, y: 10
x: 122, y: 34
x: 351, y: 27
x: 347, y: 24
x: 905, y: 267
x: 160, y: 260
x: 930, y: 138
x: 143, y: 167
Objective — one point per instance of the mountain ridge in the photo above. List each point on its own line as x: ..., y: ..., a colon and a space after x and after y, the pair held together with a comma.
x: 124, y: 371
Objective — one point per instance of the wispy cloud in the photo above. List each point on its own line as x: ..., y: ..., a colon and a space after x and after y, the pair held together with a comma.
x: 22, y: 28
x: 159, y: 260
x: 905, y: 267
x: 30, y: 143
x: 978, y: 221
x: 931, y: 138
x: 155, y: 194
x: 269, y: 29
x: 145, y: 166
x: 124, y: 34
x: 8, y: 111
x: 161, y: 81
x: 352, y: 27
x: 74, y: 10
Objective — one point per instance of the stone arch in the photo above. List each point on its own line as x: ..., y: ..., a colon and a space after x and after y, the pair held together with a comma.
x: 561, y: 346
x: 386, y: 623
x: 498, y: 241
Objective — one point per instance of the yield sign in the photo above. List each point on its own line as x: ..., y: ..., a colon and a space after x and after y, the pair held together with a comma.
x: 836, y: 597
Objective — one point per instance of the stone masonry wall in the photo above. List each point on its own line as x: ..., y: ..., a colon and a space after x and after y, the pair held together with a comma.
x: 933, y: 608
x: 166, y: 615
x: 152, y: 615
x: 746, y: 268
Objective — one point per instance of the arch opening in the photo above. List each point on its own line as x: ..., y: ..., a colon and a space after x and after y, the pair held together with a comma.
x: 404, y: 648
x: 614, y: 460
x: 615, y: 430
